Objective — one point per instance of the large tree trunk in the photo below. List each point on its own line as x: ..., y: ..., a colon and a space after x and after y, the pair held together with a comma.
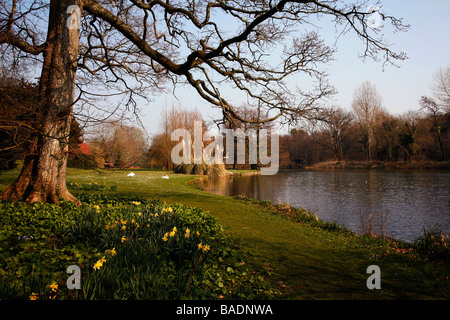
x: 43, y: 177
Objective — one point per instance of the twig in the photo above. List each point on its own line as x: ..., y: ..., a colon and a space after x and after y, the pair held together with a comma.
x: 192, y: 275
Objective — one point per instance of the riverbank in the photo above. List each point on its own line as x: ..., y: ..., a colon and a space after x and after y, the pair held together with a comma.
x: 299, y: 258
x: 405, y: 165
x: 231, y: 173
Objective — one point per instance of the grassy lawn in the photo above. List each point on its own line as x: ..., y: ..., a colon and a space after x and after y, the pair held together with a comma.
x: 302, y: 260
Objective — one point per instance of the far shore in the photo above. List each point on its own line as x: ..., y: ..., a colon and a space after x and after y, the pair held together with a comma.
x: 409, y: 165
x: 339, y: 165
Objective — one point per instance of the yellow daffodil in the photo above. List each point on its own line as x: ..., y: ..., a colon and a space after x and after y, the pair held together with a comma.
x: 165, y: 237
x: 123, y: 227
x: 172, y: 233
x: 187, y: 233
x: 113, y: 251
x: 53, y: 286
x: 33, y: 296
x: 123, y: 239
x: 202, y: 247
x: 98, y: 265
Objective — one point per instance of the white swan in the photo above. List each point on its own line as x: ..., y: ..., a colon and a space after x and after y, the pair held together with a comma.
x: 165, y: 177
x: 131, y: 174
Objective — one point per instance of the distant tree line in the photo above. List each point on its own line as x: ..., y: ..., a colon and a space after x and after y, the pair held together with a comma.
x: 368, y: 132
x: 407, y: 137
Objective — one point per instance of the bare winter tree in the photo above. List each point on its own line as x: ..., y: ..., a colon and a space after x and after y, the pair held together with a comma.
x: 117, y: 143
x: 430, y: 106
x: 441, y: 88
x: 334, y: 121
x: 88, y: 49
x: 171, y: 119
x: 367, y: 108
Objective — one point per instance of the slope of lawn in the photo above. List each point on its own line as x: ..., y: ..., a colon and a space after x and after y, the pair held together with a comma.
x: 300, y: 257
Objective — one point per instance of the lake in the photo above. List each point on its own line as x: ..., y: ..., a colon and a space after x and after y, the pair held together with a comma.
x: 409, y: 200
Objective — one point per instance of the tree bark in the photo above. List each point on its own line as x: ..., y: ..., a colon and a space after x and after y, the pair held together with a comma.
x: 43, y: 176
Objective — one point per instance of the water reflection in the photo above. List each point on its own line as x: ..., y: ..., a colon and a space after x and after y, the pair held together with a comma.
x: 411, y: 199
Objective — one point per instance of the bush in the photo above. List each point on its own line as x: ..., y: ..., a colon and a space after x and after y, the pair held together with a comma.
x: 433, y: 243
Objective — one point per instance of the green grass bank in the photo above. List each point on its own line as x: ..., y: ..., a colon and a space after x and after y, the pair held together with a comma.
x: 299, y: 256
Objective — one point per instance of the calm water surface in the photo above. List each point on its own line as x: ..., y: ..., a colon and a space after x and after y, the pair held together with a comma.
x: 410, y: 200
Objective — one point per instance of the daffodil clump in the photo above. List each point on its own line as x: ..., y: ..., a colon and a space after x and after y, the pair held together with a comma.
x: 126, y: 249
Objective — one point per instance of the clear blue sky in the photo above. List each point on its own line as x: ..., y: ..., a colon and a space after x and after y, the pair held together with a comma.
x: 427, y: 45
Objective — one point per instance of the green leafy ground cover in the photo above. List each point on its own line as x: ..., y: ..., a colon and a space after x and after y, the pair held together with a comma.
x: 127, y: 248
